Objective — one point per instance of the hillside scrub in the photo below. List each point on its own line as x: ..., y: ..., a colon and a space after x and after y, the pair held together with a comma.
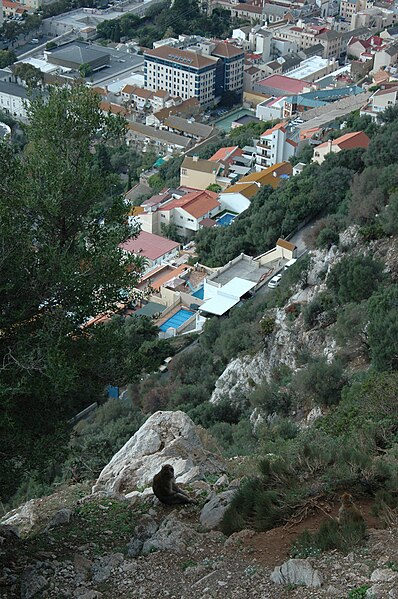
x: 352, y: 448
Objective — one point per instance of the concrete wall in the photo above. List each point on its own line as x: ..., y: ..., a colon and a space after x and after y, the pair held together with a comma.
x: 236, y: 202
x: 196, y: 179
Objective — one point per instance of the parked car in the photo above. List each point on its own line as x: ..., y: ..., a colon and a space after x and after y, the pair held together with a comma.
x: 274, y: 282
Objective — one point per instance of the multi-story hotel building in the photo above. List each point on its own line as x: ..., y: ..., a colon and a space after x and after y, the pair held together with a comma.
x: 181, y: 73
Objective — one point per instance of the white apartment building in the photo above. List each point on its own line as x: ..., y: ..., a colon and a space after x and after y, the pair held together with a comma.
x: 274, y: 147
x: 381, y: 99
x: 13, y: 100
x: 182, y: 73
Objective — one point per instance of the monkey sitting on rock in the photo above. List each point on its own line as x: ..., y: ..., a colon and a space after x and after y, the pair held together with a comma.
x: 166, y: 489
x: 348, y: 511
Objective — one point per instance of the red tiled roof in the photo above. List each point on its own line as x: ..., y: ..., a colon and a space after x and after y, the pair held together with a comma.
x: 207, y: 223
x: 15, y: 5
x: 285, y: 84
x: 150, y: 246
x: 280, y: 126
x: 248, y: 8
x: 113, y: 108
x: 357, y: 139
x: 183, y: 57
x: 227, y: 153
x: 128, y: 89
x: 196, y: 203
x: 389, y: 90
x: 227, y: 50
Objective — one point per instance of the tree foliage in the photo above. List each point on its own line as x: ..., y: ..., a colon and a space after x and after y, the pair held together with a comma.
x: 7, y: 57
x: 61, y: 266
x: 355, y: 278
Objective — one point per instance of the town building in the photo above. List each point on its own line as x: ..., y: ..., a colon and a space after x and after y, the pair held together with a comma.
x: 184, y: 208
x: 13, y: 100
x: 147, y: 137
x: 199, y: 173
x: 154, y: 248
x: 349, y: 141
x: 229, y: 75
x: 237, y: 197
x: 381, y: 99
x: 182, y: 73
x: 204, y: 71
x: 274, y: 146
x: 280, y: 85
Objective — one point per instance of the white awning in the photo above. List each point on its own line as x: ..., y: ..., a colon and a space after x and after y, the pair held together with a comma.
x: 218, y: 305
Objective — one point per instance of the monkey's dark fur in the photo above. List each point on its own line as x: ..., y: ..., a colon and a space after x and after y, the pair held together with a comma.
x: 166, y: 490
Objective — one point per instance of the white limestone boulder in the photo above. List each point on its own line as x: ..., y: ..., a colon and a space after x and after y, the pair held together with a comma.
x: 296, y: 571
x: 166, y: 437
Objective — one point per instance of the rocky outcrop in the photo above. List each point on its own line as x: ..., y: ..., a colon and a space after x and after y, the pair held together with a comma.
x: 287, y: 341
x: 296, y: 571
x: 214, y: 510
x: 25, y: 517
x: 172, y: 535
x: 166, y: 437
x: 61, y: 517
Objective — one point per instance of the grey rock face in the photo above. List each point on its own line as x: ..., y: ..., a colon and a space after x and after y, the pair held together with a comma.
x: 32, y: 583
x: 172, y: 535
x: 144, y: 530
x: 383, y: 575
x: 102, y: 568
x: 296, y: 571
x: 214, y: 510
x: 61, y: 517
x: 166, y: 437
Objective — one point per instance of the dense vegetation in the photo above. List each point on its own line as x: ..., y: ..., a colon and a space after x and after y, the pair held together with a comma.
x: 162, y: 21
x: 60, y: 230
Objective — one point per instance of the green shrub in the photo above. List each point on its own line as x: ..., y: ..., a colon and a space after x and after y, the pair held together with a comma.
x: 359, y: 592
x: 355, y: 278
x: 327, y: 237
x: 321, y: 381
x: 323, y: 303
x: 329, y: 536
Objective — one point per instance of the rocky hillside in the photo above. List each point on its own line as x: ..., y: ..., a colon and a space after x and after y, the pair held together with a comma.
x: 291, y: 338
x: 118, y: 541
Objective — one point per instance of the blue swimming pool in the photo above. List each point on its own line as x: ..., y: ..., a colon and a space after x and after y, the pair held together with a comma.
x: 176, y: 320
x: 199, y: 293
x: 225, y: 220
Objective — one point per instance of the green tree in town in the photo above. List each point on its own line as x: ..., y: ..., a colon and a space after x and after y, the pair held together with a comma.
x: 31, y: 75
x: 7, y: 57
x: 61, y: 265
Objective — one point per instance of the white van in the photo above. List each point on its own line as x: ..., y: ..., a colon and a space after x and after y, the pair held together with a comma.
x: 290, y: 263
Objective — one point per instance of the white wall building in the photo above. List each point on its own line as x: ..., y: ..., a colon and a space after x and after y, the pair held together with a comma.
x: 273, y: 147
x: 12, y: 100
x: 271, y: 109
x: 182, y: 73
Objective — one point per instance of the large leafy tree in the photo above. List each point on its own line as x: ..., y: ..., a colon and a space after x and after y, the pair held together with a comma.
x: 60, y: 265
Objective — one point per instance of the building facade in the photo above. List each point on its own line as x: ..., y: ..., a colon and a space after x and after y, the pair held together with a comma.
x: 273, y: 147
x: 182, y: 73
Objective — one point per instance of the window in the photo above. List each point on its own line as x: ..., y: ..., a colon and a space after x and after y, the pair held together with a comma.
x: 181, y: 217
x: 184, y: 172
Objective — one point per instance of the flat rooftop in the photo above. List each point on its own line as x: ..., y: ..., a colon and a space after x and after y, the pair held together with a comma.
x: 244, y: 269
x: 308, y: 67
x: 90, y: 17
x: 121, y: 65
x: 317, y: 117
